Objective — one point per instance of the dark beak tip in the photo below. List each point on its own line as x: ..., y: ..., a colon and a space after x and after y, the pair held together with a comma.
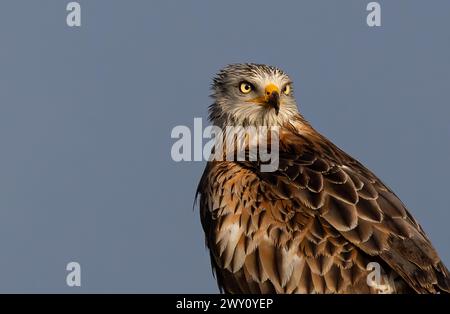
x: 274, y: 101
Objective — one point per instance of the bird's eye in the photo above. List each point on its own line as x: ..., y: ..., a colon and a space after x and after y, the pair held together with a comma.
x: 245, y: 87
x: 287, y: 89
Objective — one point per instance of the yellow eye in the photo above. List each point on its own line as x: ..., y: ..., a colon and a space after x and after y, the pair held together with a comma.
x: 287, y: 89
x: 246, y: 87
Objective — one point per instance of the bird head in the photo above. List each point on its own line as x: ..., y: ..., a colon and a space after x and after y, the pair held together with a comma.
x: 252, y: 95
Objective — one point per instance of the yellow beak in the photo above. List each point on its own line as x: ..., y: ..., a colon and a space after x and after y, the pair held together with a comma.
x: 271, y: 97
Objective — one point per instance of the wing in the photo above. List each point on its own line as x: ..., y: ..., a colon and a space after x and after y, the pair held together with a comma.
x: 311, y: 226
x: 335, y: 187
x: 262, y: 240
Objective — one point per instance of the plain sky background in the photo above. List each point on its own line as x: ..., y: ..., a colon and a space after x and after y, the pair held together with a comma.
x: 86, y: 115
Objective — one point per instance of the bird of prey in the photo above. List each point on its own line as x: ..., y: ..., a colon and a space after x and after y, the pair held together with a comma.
x: 315, y: 223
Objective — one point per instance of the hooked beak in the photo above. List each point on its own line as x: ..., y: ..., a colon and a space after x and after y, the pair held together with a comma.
x: 271, y: 97
x: 274, y: 101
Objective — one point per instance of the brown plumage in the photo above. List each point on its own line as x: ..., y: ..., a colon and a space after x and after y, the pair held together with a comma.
x: 314, y: 224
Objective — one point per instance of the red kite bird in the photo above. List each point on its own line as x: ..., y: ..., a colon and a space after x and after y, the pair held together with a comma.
x: 319, y: 222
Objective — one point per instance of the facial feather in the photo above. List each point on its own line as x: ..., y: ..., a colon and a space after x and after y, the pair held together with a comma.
x: 233, y: 107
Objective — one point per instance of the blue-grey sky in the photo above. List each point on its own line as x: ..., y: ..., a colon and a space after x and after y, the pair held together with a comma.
x: 86, y: 115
